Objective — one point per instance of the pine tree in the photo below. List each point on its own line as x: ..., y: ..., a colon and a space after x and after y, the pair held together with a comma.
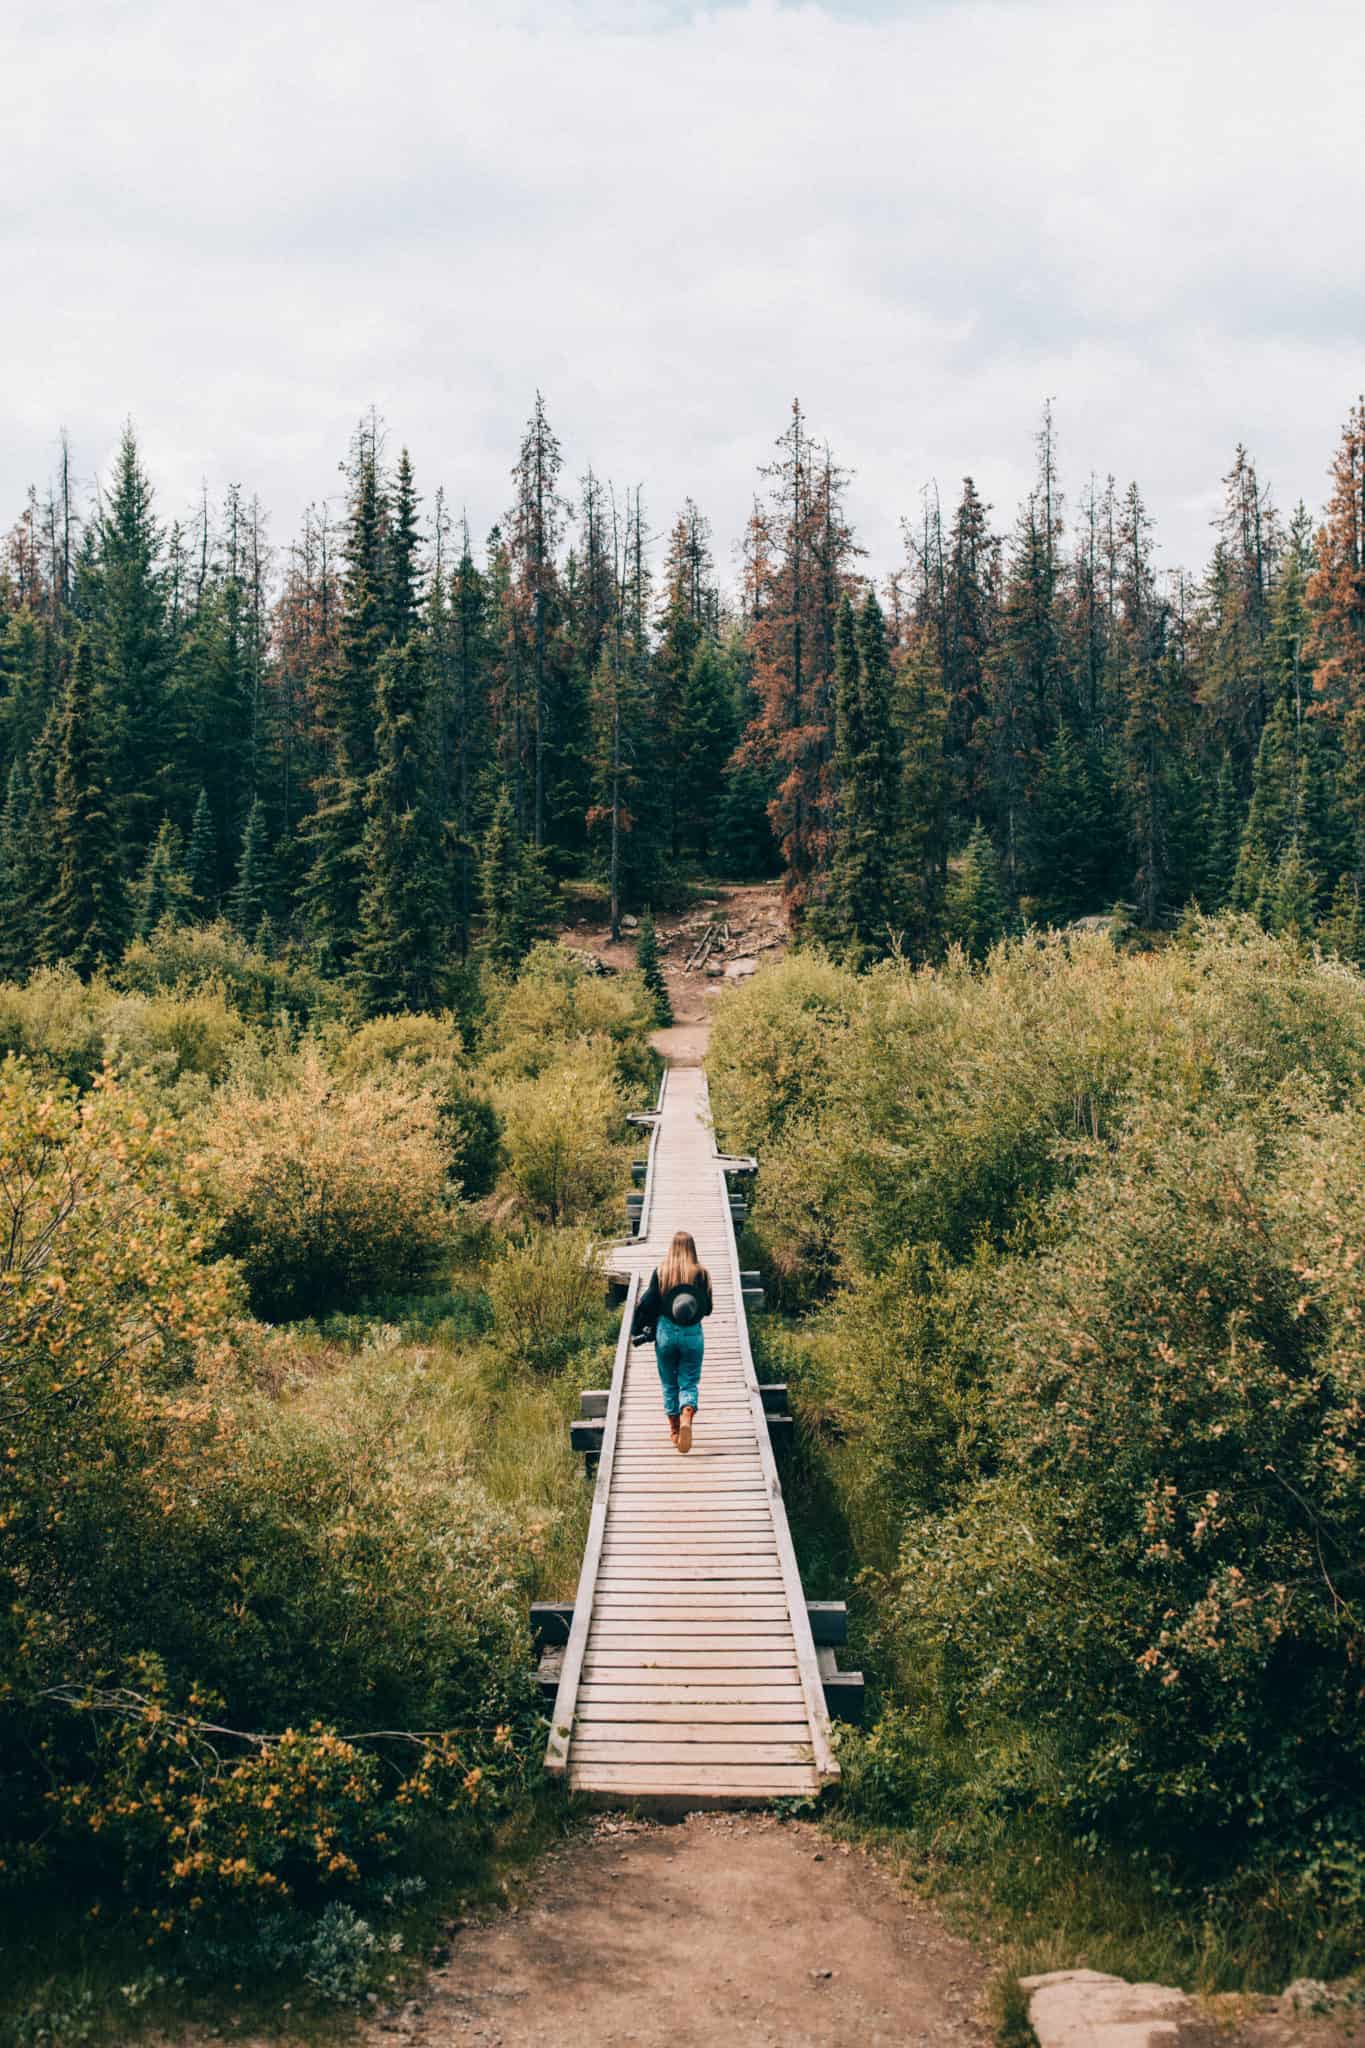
x: 1222, y: 839
x: 253, y: 891
x: 648, y: 961
x: 163, y: 890
x: 863, y: 905
x: 404, y: 951
x: 402, y: 569
x: 25, y: 873
x: 84, y: 921
x: 201, y: 860
x: 1069, y: 842
x: 518, y: 900
x: 1343, y: 929
x: 1293, y: 893
x: 121, y: 594
x: 707, y: 731
x: 1336, y: 598
x: 974, y: 905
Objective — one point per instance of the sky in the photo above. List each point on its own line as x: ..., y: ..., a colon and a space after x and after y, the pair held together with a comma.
x: 243, y: 227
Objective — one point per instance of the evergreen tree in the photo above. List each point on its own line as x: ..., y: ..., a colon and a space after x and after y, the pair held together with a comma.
x: 84, y: 922
x: 25, y: 874
x: 648, y: 960
x: 1336, y: 598
x: 864, y: 898
x: 974, y: 905
x: 201, y: 860
x: 707, y: 731
x: 518, y: 900
x: 163, y: 890
x: 1222, y: 839
x: 1343, y: 929
x: 924, y: 796
x: 404, y: 951
x: 1069, y: 838
x: 253, y: 891
x: 402, y: 567
x: 1293, y: 893
x: 121, y: 595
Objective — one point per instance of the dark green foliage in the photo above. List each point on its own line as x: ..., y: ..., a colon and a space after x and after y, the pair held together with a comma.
x: 84, y: 923
x: 164, y: 889
x: 201, y: 859
x: 253, y: 890
x: 974, y: 905
x: 707, y: 732
x: 864, y: 900
x: 405, y: 945
x: 517, y: 897
x: 650, y: 964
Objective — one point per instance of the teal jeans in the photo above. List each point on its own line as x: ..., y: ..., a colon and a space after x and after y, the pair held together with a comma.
x: 679, y: 1353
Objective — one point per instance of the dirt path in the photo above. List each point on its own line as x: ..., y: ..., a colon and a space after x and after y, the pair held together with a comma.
x: 724, y: 1928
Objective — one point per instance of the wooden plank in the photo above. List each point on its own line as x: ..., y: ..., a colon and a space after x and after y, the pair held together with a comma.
x: 787, y: 1722
x: 771, y: 1781
x: 643, y: 1754
x: 566, y: 1698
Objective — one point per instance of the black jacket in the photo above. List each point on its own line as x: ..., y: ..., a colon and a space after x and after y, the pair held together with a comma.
x: 652, y: 1304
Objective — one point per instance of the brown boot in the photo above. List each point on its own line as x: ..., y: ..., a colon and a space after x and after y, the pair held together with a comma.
x: 672, y: 1421
x: 685, y: 1429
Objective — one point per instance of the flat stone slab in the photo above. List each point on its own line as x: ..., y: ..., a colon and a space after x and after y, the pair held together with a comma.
x: 1089, y: 2009
x: 741, y: 969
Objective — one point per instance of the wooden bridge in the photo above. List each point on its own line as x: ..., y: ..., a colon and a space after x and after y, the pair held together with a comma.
x: 690, y: 1674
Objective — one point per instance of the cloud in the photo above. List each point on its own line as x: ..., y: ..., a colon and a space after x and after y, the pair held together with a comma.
x: 925, y: 219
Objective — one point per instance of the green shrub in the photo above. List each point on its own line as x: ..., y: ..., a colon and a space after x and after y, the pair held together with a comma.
x: 56, y: 1018
x: 327, y: 1189
x: 259, y: 986
x: 185, y: 1557
x: 428, y: 1050
x: 547, y: 1295
x: 558, y: 1003
x: 563, y: 1135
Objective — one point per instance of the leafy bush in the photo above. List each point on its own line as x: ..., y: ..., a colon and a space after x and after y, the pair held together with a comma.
x: 55, y: 1018
x: 1087, y: 1384
x: 556, y: 1004
x: 327, y: 1189
x: 185, y: 1558
x: 260, y: 986
x: 428, y: 1049
x: 547, y: 1296
x: 563, y: 1135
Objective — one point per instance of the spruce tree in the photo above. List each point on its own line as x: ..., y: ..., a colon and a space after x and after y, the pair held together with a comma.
x: 1067, y: 833
x: 402, y: 567
x: 1292, y: 897
x: 25, y: 874
x: 84, y: 921
x: 648, y: 960
x: 403, y: 956
x: 1343, y: 929
x: 517, y: 898
x: 863, y: 902
x: 706, y: 740
x: 253, y: 891
x: 1222, y: 839
x: 201, y: 860
x: 974, y: 904
x: 163, y: 890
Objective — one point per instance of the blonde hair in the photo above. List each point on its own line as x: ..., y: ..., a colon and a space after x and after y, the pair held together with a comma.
x: 680, y: 1266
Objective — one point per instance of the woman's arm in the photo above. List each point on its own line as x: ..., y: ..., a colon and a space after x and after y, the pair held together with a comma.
x: 646, y: 1308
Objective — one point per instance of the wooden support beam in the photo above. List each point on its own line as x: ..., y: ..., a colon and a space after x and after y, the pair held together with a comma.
x: 551, y: 1621
x: 844, y: 1690
x: 774, y: 1394
x: 593, y: 1400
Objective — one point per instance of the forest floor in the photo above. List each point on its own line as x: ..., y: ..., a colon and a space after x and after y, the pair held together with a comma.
x: 747, y: 926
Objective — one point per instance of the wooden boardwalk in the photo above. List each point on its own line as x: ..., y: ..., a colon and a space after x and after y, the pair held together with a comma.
x: 690, y: 1674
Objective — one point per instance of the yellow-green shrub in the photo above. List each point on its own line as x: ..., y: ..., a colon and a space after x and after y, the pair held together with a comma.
x: 555, y: 1003
x: 548, y: 1298
x: 563, y: 1135
x: 428, y: 1050
x: 260, y: 986
x: 326, y: 1188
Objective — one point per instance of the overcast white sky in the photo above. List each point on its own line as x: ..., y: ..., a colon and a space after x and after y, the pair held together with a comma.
x: 243, y: 225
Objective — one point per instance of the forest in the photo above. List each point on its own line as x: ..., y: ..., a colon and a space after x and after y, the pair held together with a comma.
x: 310, y: 1133
x: 382, y: 748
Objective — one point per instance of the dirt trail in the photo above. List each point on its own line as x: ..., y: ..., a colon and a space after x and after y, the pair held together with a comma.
x: 724, y: 1928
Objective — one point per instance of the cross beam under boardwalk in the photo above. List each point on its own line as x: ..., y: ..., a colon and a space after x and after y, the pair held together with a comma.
x: 690, y: 1676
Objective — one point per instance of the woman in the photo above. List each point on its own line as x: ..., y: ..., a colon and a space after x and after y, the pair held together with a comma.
x: 671, y: 1310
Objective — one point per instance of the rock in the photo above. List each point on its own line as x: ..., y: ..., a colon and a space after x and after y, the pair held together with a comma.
x: 741, y: 969
x: 1089, y: 2009
x: 715, y: 969
x: 629, y: 923
x: 1307, y: 1994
